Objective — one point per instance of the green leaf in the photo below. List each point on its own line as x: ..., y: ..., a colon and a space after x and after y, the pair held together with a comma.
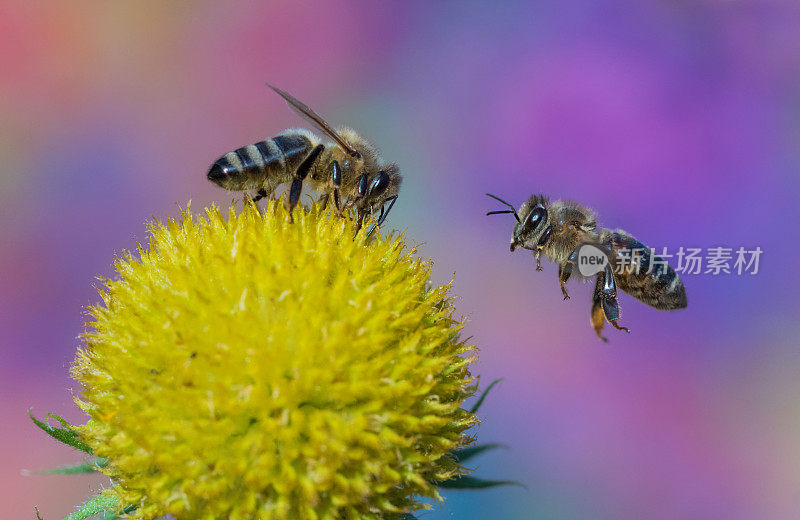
x: 467, y: 482
x: 97, y: 504
x: 75, y: 469
x: 65, y: 435
x: 477, y: 405
x: 464, y: 454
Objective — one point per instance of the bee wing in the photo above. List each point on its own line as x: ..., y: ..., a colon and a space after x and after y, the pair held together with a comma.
x: 312, y: 117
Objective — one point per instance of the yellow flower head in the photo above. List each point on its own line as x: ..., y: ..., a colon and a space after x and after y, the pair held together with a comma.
x: 245, y: 367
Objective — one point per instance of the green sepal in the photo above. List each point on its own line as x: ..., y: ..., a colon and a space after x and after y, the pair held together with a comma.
x: 76, y: 469
x: 464, y: 454
x: 467, y: 482
x: 478, y: 404
x: 65, y: 435
x: 97, y: 504
x: 109, y: 515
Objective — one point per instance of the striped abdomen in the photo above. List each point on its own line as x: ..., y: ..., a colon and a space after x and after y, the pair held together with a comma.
x: 262, y: 165
x: 661, y: 288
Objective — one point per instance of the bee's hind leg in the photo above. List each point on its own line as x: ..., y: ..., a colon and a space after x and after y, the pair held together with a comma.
x: 605, y: 302
x: 598, y: 318
x: 300, y: 175
x: 611, y: 311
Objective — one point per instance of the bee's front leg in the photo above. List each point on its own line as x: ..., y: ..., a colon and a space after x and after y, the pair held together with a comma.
x: 383, y: 214
x: 537, y: 253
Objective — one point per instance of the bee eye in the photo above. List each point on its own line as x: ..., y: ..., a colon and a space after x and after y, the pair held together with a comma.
x: 379, y: 184
x: 535, y: 217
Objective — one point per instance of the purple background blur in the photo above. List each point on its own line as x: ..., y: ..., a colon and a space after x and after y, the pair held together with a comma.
x: 678, y: 121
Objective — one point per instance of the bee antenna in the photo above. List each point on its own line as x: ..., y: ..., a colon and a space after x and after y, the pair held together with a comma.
x: 501, y: 212
x: 495, y: 197
x: 513, y: 210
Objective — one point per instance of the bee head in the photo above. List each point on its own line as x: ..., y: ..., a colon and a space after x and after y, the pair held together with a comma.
x: 375, y: 188
x: 531, y: 222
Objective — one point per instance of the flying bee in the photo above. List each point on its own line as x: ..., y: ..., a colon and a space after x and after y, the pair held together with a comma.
x: 341, y: 164
x: 559, y: 229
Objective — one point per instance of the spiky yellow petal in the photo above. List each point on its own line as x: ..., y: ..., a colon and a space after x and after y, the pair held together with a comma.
x: 244, y: 367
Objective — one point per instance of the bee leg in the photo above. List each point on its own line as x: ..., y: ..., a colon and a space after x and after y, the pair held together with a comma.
x: 391, y: 201
x: 300, y: 175
x: 564, y: 272
x: 598, y: 318
x: 359, y: 221
x: 606, y: 290
x: 611, y: 310
x: 294, y: 196
x: 336, y: 179
x: 383, y: 215
x: 538, y: 255
x: 323, y: 201
x: 375, y: 225
x: 260, y: 194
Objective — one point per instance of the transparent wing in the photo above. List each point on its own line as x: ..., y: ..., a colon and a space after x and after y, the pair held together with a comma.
x: 312, y: 117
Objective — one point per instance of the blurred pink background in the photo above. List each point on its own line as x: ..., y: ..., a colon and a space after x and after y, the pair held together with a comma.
x: 677, y: 121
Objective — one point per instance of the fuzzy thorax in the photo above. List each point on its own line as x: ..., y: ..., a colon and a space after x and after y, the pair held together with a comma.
x: 564, y: 225
x: 240, y: 366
